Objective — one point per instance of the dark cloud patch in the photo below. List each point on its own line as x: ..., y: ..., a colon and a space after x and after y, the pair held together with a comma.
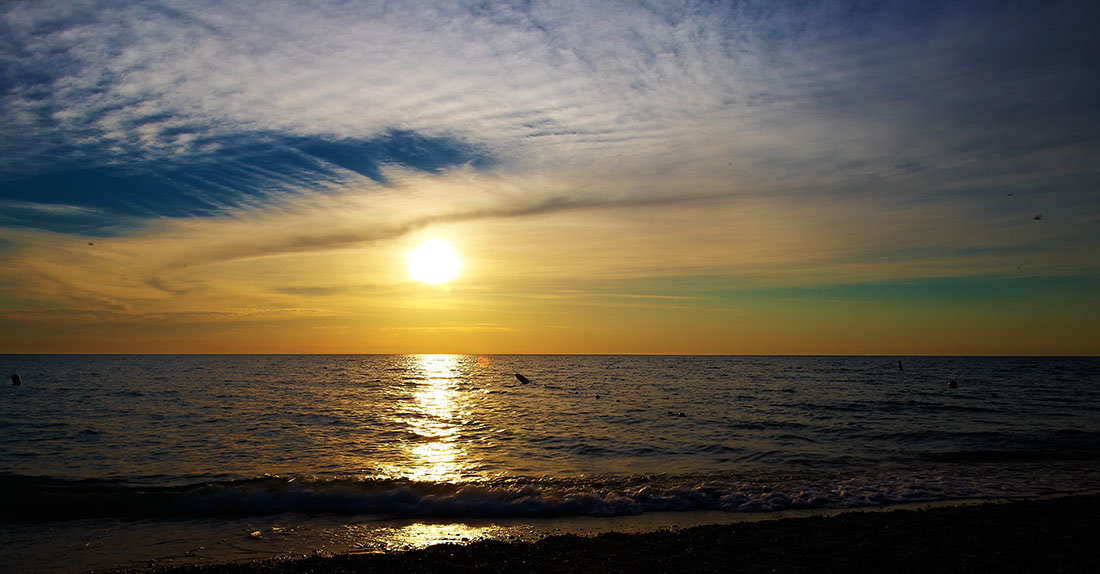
x: 119, y: 190
x: 65, y: 219
x: 400, y: 147
x: 310, y: 291
x: 934, y: 83
x: 234, y: 172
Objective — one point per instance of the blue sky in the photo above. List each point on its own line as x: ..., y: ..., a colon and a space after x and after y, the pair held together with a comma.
x: 836, y: 146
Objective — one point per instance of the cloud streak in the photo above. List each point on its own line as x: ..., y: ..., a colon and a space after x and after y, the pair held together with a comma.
x: 284, y: 152
x: 542, y: 80
x: 243, y: 172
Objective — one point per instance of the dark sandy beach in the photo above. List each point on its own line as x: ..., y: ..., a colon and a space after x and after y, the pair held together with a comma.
x: 1054, y: 535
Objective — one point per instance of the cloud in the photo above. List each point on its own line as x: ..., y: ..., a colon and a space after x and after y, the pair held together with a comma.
x: 316, y: 290
x: 529, y: 234
x: 781, y: 93
x: 244, y: 170
x: 781, y: 143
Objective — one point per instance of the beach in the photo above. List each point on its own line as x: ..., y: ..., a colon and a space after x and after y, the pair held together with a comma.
x: 1050, y: 535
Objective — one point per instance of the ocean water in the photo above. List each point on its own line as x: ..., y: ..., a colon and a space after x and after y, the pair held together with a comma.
x: 126, y: 460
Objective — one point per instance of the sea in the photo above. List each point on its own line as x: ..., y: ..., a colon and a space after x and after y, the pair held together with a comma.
x: 136, y: 461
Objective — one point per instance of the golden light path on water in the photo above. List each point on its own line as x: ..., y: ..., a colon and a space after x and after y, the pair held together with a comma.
x: 433, y: 408
x: 421, y: 534
x: 432, y: 414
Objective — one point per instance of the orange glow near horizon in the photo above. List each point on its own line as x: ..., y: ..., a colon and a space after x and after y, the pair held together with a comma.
x: 569, y: 283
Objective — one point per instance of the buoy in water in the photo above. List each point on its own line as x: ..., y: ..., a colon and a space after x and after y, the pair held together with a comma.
x: 15, y: 380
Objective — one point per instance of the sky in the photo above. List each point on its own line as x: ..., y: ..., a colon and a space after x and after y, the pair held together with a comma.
x: 889, y: 178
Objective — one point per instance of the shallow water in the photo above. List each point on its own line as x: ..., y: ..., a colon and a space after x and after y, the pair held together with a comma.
x: 222, y: 443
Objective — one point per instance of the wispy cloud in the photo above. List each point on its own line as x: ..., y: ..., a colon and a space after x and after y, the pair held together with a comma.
x: 547, y: 84
x: 215, y: 152
x: 247, y: 171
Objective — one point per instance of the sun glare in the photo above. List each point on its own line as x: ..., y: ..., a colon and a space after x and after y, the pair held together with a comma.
x: 434, y: 262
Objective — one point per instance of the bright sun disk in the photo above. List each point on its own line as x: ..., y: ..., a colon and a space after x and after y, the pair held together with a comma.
x: 434, y: 262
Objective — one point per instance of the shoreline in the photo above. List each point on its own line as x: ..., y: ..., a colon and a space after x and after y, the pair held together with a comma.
x: 1055, y: 534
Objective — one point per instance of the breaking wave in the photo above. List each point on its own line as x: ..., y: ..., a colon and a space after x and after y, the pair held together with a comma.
x: 42, y: 498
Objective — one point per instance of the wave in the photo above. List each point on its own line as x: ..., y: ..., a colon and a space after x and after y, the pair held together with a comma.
x: 1060, y: 445
x: 24, y: 498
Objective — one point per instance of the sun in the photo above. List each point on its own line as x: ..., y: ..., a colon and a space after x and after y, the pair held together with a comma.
x: 434, y: 262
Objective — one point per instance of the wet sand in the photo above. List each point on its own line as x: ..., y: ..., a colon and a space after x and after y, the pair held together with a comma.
x: 1054, y: 535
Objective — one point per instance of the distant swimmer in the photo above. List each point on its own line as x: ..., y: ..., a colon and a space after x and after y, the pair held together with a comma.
x: 952, y: 385
x: 676, y: 414
x: 15, y: 380
x: 522, y: 378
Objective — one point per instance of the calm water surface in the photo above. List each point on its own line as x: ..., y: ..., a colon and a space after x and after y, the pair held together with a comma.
x: 171, y: 443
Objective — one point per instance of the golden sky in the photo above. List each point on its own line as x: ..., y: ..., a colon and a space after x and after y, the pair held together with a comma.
x: 711, y: 179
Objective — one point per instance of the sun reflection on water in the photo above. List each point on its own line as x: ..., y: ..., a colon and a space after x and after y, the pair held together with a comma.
x: 420, y: 535
x: 432, y: 416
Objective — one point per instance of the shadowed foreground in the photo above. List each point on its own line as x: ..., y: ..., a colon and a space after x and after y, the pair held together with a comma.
x: 1058, y: 535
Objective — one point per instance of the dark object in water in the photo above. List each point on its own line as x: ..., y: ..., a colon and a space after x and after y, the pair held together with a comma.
x: 952, y: 385
x: 15, y: 380
x: 522, y: 378
x: 1039, y: 217
x: 676, y: 414
x: 899, y: 366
